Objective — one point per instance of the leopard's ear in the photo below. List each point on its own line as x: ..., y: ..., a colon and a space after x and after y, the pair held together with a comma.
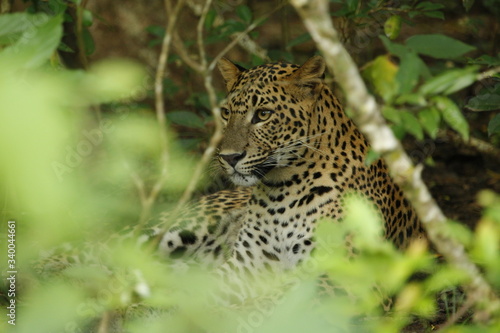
x: 314, y: 68
x: 229, y: 71
x: 308, y: 77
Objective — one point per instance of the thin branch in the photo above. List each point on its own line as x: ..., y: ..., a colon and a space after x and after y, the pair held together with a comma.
x: 214, y: 141
x: 104, y: 323
x: 159, y: 99
x: 206, y: 70
x: 481, y: 146
x: 148, y: 201
x: 217, y: 136
x: 389, y: 9
x: 489, y: 73
x: 181, y: 51
x: 243, y: 40
x: 366, y: 114
x: 240, y: 36
x: 200, y: 30
x: 139, y: 184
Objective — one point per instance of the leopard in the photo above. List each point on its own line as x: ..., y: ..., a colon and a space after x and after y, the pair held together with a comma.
x: 293, y: 154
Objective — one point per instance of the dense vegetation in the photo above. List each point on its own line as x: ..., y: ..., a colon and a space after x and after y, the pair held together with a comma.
x: 91, y: 145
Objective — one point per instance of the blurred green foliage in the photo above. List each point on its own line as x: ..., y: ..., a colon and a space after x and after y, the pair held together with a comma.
x: 68, y: 177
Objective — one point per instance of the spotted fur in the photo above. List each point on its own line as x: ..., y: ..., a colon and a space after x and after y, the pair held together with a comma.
x: 288, y: 141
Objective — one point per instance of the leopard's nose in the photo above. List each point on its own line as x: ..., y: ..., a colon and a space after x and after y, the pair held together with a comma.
x: 233, y: 159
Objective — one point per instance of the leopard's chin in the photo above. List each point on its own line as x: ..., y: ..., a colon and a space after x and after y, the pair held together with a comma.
x: 243, y: 180
x: 251, y: 179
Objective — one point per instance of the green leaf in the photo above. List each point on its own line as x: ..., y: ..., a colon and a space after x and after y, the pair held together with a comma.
x: 381, y: 73
x: 185, y: 118
x: 87, y: 18
x: 431, y: 9
x: 427, y: 5
x: 413, y: 99
x: 450, y: 81
x: 494, y: 125
x: 156, y: 30
x: 452, y: 115
x: 170, y: 87
x: 424, y: 70
x: 438, y: 46
x: 210, y: 19
x: 445, y: 278
x: 299, y: 40
x: 53, y: 305
x: 88, y: 42
x: 408, y: 73
x: 232, y: 26
x: 113, y: 79
x: 392, y: 26
x: 371, y: 157
x: 413, y: 13
x: 244, y: 13
x: 486, y: 242
x: 35, y: 48
x: 486, y: 60
x: 19, y: 22
x: 391, y: 114
x: 399, y: 131
x: 430, y: 120
x: 487, y: 100
x: 65, y: 48
x: 257, y: 61
x: 435, y: 14
x: 412, y: 125
x: 394, y: 48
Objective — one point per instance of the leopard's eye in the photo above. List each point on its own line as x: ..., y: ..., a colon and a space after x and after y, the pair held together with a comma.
x: 261, y: 115
x: 225, y: 113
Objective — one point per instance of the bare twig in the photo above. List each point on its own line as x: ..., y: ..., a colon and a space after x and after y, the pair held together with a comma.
x: 235, y: 41
x: 204, y: 68
x: 139, y: 184
x: 200, y: 30
x: 244, y: 40
x: 489, y: 73
x: 367, y: 115
x: 481, y: 146
x: 104, y: 323
x: 149, y: 199
x: 181, y: 51
x: 216, y: 137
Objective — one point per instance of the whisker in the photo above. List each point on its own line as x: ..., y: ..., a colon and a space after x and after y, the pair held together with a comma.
x: 283, y: 155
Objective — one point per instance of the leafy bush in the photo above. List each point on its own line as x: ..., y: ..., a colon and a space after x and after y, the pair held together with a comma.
x: 84, y: 157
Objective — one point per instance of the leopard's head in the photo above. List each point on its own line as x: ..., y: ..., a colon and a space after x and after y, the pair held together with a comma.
x: 266, y: 116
